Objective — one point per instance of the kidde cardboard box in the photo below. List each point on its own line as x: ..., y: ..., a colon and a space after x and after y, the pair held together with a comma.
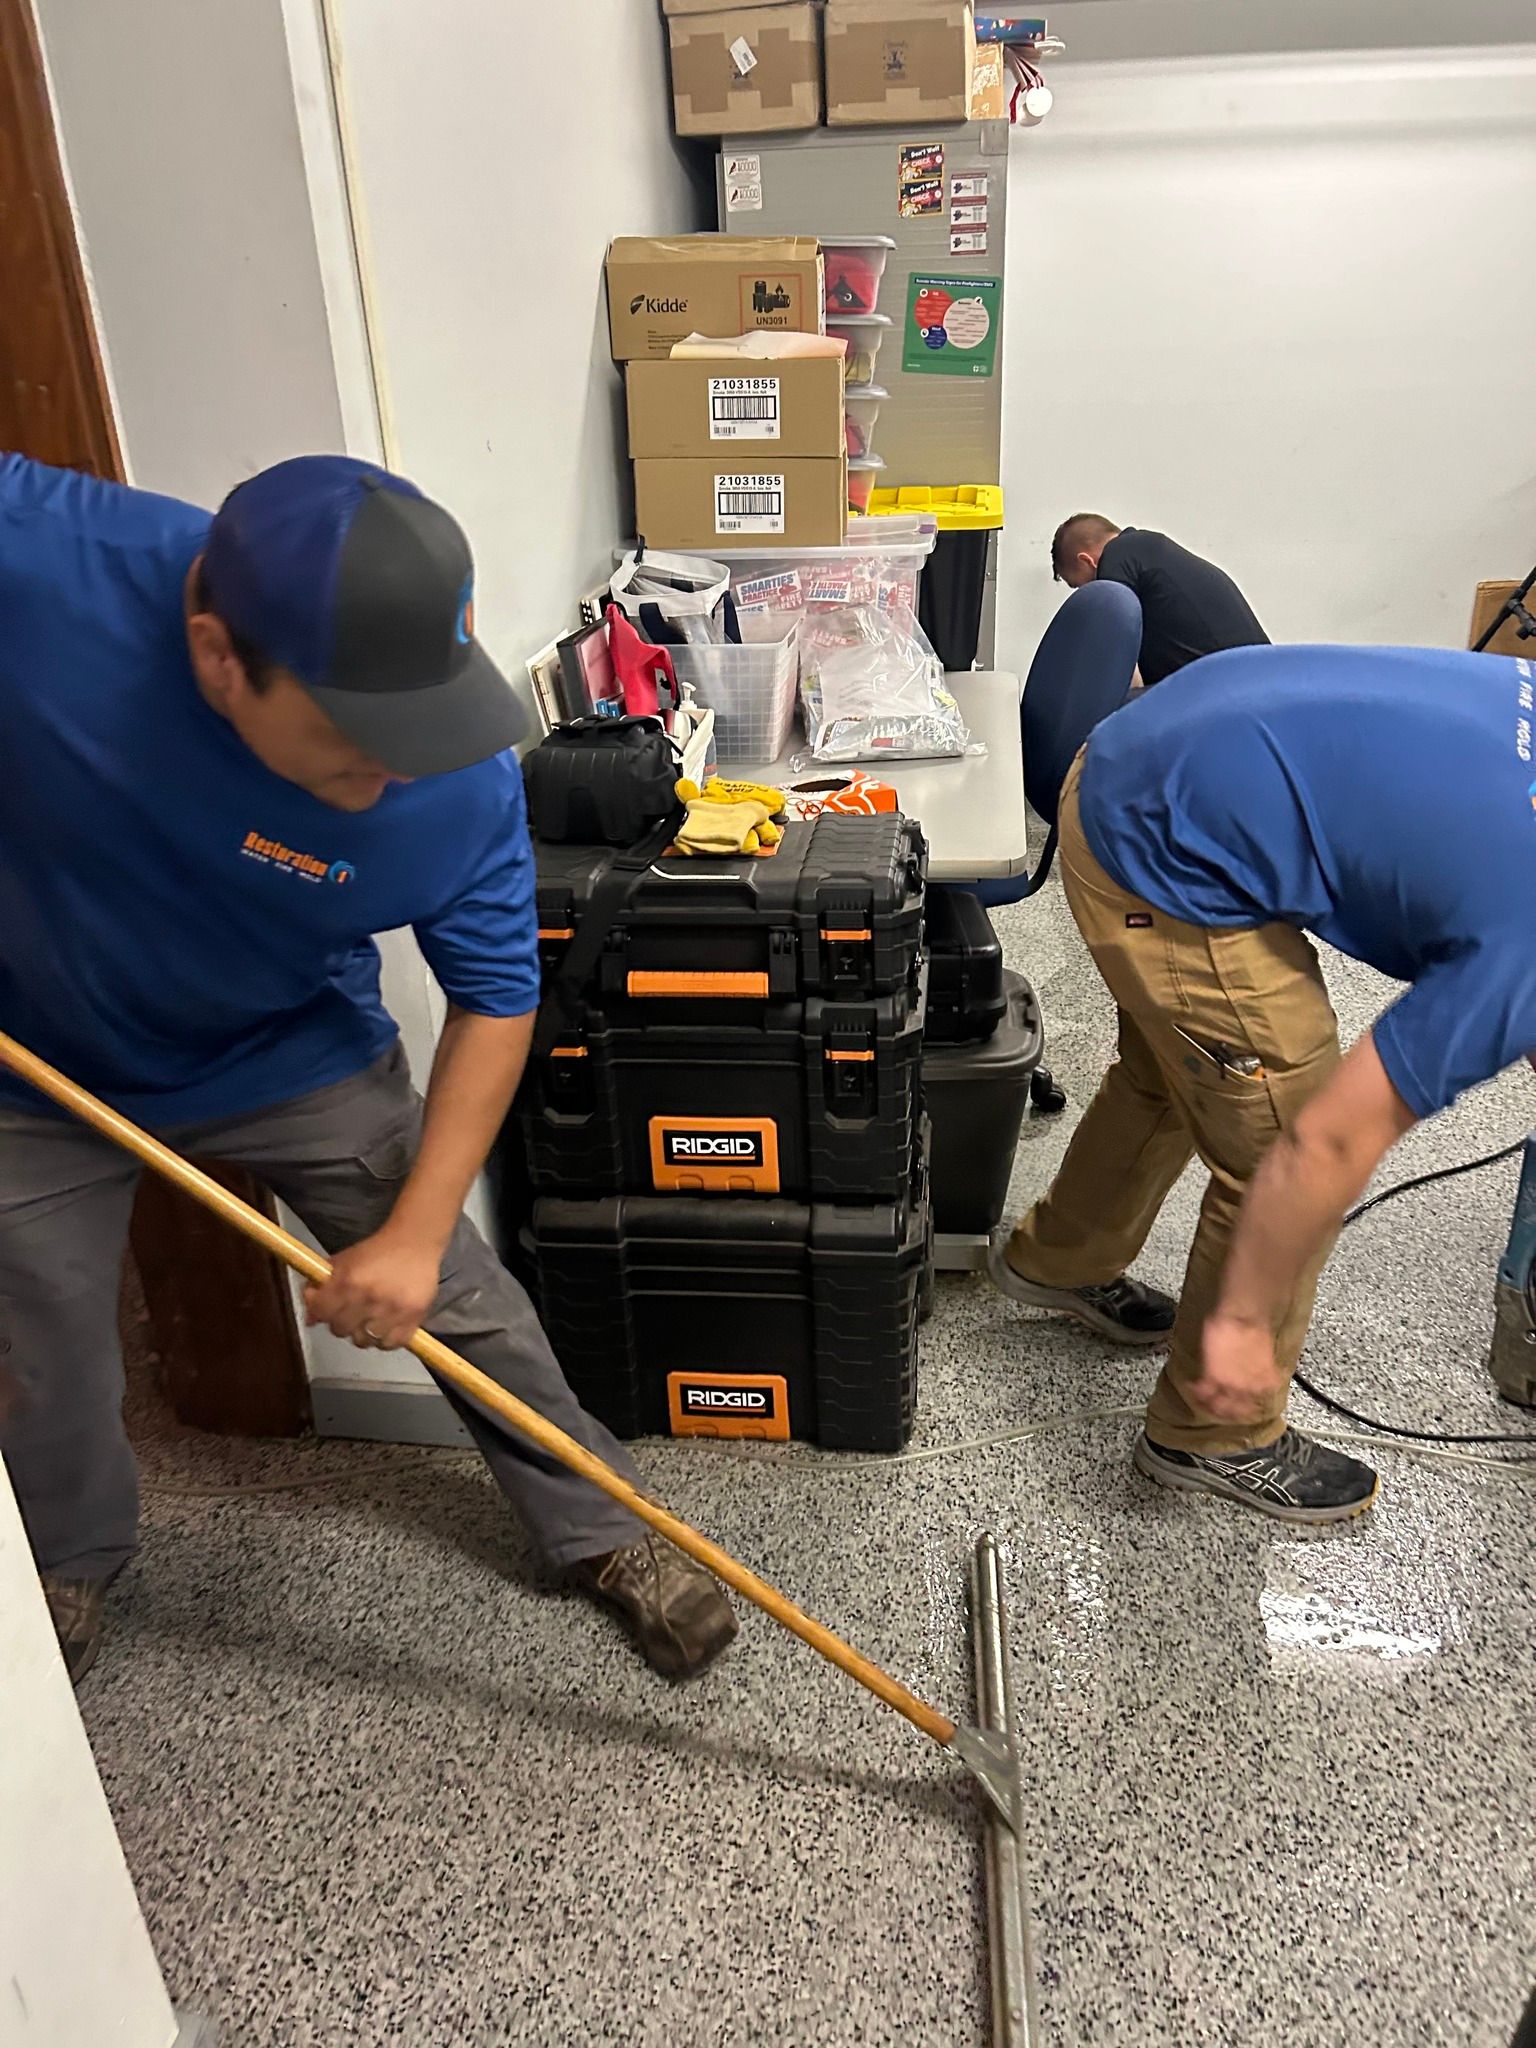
x: 897, y: 61
x: 711, y: 503
x: 729, y: 407
x: 744, y: 70
x: 660, y: 289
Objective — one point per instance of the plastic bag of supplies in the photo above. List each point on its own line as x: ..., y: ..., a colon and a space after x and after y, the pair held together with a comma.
x: 872, y: 688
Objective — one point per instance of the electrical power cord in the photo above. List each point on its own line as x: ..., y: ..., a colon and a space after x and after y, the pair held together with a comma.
x: 1432, y: 1436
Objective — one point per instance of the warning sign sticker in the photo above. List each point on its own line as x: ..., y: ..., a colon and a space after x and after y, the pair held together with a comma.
x: 744, y: 409
x: 750, y: 501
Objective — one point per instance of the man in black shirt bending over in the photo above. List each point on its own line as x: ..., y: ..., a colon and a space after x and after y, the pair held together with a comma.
x: 1189, y: 607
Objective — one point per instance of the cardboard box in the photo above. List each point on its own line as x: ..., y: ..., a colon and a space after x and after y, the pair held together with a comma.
x: 1485, y: 606
x: 895, y: 62
x: 989, y: 84
x: 730, y: 410
x: 709, y: 503
x: 662, y: 289
x: 746, y: 70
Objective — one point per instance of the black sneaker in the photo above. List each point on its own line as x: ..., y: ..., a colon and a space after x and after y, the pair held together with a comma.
x: 1122, y: 1310
x: 1295, y: 1479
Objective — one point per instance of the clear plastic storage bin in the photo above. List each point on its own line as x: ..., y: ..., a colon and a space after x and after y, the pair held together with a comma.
x: 772, y: 585
x: 863, y: 470
x: 855, y: 265
x: 750, y: 688
x: 863, y: 333
x: 861, y: 408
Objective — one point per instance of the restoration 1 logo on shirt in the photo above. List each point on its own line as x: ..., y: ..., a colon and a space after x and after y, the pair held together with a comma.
x: 951, y: 327
x: 309, y: 867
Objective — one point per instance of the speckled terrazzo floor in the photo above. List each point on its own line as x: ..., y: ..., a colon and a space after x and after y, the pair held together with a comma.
x: 376, y: 1787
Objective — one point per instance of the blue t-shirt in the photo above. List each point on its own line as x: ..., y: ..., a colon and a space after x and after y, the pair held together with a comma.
x: 1384, y: 798
x: 181, y: 930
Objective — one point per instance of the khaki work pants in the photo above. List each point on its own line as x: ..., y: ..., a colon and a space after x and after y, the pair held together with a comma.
x: 1257, y: 991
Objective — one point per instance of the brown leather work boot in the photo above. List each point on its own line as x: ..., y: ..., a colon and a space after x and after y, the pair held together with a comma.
x: 76, y: 1607
x: 676, y: 1611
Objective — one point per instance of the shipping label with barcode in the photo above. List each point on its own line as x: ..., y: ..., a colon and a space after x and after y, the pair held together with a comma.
x: 744, y: 408
x: 751, y: 502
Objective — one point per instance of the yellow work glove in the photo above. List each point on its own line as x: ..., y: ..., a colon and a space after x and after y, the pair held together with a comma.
x: 719, y: 791
x: 719, y: 828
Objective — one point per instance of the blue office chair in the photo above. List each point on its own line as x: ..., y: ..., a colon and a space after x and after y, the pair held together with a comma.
x: 1082, y: 671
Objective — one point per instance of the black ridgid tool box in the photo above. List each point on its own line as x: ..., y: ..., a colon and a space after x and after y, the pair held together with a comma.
x: 714, y: 1316
x: 966, y: 999
x: 817, y: 1100
x: 836, y: 911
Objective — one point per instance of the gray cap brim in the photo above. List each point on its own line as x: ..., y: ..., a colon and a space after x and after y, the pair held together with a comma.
x: 432, y: 731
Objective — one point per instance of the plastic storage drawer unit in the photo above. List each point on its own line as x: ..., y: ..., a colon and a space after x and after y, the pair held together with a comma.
x: 976, y: 1096
x: 837, y: 911
x: 737, y: 1318
x: 965, y: 969
x: 816, y: 1100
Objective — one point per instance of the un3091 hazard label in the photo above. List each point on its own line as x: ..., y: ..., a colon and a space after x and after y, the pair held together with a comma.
x: 744, y: 408
x: 749, y: 502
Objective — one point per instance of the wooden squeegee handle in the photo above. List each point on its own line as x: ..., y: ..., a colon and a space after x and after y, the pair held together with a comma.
x: 450, y: 1366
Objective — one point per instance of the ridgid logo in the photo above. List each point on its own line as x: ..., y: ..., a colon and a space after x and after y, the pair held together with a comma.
x: 729, y: 1404
x: 309, y: 867
x: 711, y: 1400
x: 712, y: 1148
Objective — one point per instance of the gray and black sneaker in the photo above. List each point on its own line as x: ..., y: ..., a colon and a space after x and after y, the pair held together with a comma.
x: 1295, y: 1479
x: 1123, y: 1310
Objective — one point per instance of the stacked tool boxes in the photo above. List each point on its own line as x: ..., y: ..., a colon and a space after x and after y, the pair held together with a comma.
x: 725, y: 1136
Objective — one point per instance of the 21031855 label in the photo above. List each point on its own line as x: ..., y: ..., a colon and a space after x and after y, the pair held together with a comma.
x: 744, y: 409
x: 749, y: 501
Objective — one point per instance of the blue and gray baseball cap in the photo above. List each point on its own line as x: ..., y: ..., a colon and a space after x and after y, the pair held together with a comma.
x: 364, y: 588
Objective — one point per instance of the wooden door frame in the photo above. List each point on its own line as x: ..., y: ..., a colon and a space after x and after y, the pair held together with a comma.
x: 27, y: 128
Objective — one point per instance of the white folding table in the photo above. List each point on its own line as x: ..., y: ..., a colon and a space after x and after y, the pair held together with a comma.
x: 973, y: 816
x: 971, y: 809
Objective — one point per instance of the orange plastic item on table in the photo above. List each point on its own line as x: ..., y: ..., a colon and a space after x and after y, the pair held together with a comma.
x: 854, y: 795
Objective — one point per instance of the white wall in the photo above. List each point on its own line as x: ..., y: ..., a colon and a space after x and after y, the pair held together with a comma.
x: 1120, y: 29
x: 1275, y: 305
x: 201, y: 161
x: 487, y: 177
x: 76, y: 1967
x: 181, y: 141
x: 493, y: 163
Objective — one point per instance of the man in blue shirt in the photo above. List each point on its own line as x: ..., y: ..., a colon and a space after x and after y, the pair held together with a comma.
x: 1384, y: 799
x: 234, y: 750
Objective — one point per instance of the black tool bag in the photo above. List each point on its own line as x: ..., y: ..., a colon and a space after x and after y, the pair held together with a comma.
x: 562, y: 1008
x: 602, y: 782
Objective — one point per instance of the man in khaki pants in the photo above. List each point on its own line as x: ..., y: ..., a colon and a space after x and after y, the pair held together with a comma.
x: 1384, y: 799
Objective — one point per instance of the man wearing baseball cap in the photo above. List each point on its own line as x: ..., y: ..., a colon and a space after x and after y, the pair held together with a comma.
x: 234, y: 750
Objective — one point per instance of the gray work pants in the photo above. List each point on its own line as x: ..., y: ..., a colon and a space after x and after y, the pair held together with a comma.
x: 337, y: 1157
